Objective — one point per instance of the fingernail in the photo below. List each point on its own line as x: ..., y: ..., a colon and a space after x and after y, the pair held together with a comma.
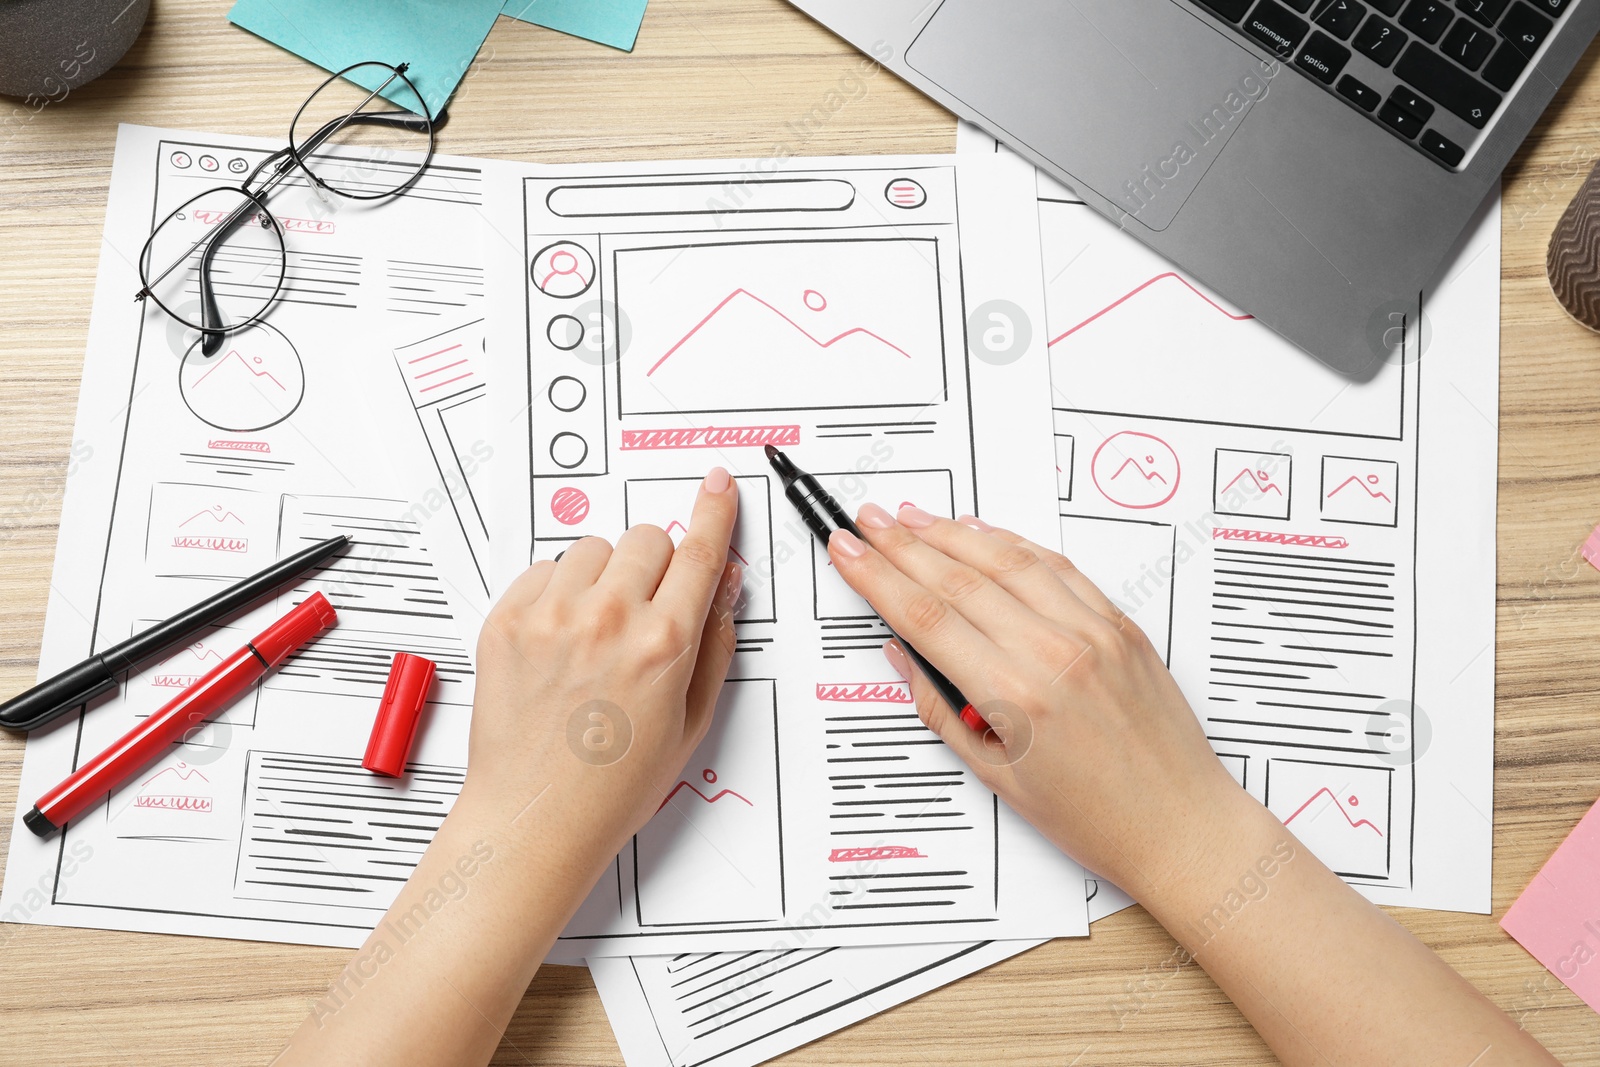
x: 915, y: 517
x: 847, y: 544
x: 976, y: 523
x: 717, y: 481
x: 897, y: 659
x: 875, y: 517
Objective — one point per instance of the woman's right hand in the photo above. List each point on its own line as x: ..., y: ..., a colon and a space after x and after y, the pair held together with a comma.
x: 1091, y: 739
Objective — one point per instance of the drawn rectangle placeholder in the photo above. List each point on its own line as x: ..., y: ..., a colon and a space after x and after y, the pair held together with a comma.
x: 1115, y: 308
x: 775, y: 325
x: 1339, y: 811
x: 209, y: 531
x: 1133, y: 563
x: 320, y: 830
x: 667, y: 503
x: 930, y: 490
x: 713, y: 852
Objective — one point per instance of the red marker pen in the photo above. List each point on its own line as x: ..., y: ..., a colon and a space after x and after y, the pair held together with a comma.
x: 146, y: 742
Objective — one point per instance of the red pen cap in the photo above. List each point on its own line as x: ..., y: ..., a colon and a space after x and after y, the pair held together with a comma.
x: 310, y: 618
x: 410, y: 678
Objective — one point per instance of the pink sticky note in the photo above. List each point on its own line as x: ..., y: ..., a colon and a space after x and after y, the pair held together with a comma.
x: 1557, y: 918
x: 1591, y: 549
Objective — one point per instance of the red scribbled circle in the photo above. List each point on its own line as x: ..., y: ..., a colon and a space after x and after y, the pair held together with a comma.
x: 569, y: 506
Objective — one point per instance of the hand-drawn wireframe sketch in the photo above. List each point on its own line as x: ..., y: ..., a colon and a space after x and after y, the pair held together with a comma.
x: 260, y: 823
x: 822, y: 310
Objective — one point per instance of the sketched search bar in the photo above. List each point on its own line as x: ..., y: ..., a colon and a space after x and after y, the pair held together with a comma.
x: 740, y: 196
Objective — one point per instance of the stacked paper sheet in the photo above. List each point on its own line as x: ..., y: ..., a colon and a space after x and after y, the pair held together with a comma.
x: 546, y: 353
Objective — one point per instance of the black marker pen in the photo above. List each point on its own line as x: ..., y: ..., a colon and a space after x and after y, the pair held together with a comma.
x: 823, y: 515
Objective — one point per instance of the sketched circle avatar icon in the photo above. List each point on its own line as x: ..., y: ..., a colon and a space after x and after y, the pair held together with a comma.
x: 562, y: 270
x: 599, y: 733
x: 254, y: 382
x: 1008, y: 738
x: 1398, y: 732
x: 1135, y: 470
x: 604, y: 332
x: 999, y: 332
x: 569, y: 506
x: 1398, y: 333
x: 905, y: 193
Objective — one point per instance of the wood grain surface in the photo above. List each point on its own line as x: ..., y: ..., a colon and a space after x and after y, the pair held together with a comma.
x: 732, y: 78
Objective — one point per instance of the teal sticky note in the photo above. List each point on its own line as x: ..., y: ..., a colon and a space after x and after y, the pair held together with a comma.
x: 439, y: 38
x: 612, y: 22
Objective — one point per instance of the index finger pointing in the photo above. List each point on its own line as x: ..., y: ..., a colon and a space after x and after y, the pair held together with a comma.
x: 696, y: 567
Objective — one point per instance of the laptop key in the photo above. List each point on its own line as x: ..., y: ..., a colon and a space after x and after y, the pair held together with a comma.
x: 1403, y: 122
x: 1467, y: 44
x: 1525, y: 28
x: 1276, y: 27
x: 1388, y: 7
x: 1340, y: 17
x: 1379, y: 41
x: 1554, y: 8
x: 1487, y: 12
x: 1232, y: 10
x: 1505, y: 67
x: 1448, y: 85
x: 1358, y: 93
x: 1427, y: 19
x: 1408, y: 101
x: 1322, y: 58
x: 1301, y: 6
x: 1441, y: 148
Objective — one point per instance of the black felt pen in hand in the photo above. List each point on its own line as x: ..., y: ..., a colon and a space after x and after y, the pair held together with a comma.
x: 823, y: 515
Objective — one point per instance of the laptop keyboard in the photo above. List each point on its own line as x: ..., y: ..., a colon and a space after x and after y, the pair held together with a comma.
x: 1432, y: 72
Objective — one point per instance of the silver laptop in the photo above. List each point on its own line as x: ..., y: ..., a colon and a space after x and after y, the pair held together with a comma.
x: 1314, y: 161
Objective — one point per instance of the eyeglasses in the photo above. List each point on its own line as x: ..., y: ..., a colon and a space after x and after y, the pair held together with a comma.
x: 218, y: 262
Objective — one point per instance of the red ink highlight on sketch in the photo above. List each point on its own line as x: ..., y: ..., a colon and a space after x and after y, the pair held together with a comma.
x: 430, y: 355
x: 711, y: 437
x: 795, y: 325
x: 211, y: 544
x: 710, y: 777
x: 573, y: 270
x: 865, y: 693
x: 174, y: 801
x: 1278, y: 537
x: 1149, y: 476
x: 880, y: 852
x: 233, y: 354
x: 1260, y: 479
x: 1124, y: 299
x: 239, y: 446
x: 1354, y: 823
x: 215, y: 513
x: 210, y: 218
x: 569, y: 506
x: 1375, y: 494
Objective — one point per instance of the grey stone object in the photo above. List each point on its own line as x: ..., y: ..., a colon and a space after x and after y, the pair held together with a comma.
x: 50, y: 47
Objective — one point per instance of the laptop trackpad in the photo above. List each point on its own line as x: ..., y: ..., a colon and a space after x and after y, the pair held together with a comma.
x: 1134, y: 99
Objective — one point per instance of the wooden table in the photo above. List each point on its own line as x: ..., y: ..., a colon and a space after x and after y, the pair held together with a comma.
x: 724, y: 78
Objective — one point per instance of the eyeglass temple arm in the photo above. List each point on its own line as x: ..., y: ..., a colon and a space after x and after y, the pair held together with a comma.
x: 210, y: 312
